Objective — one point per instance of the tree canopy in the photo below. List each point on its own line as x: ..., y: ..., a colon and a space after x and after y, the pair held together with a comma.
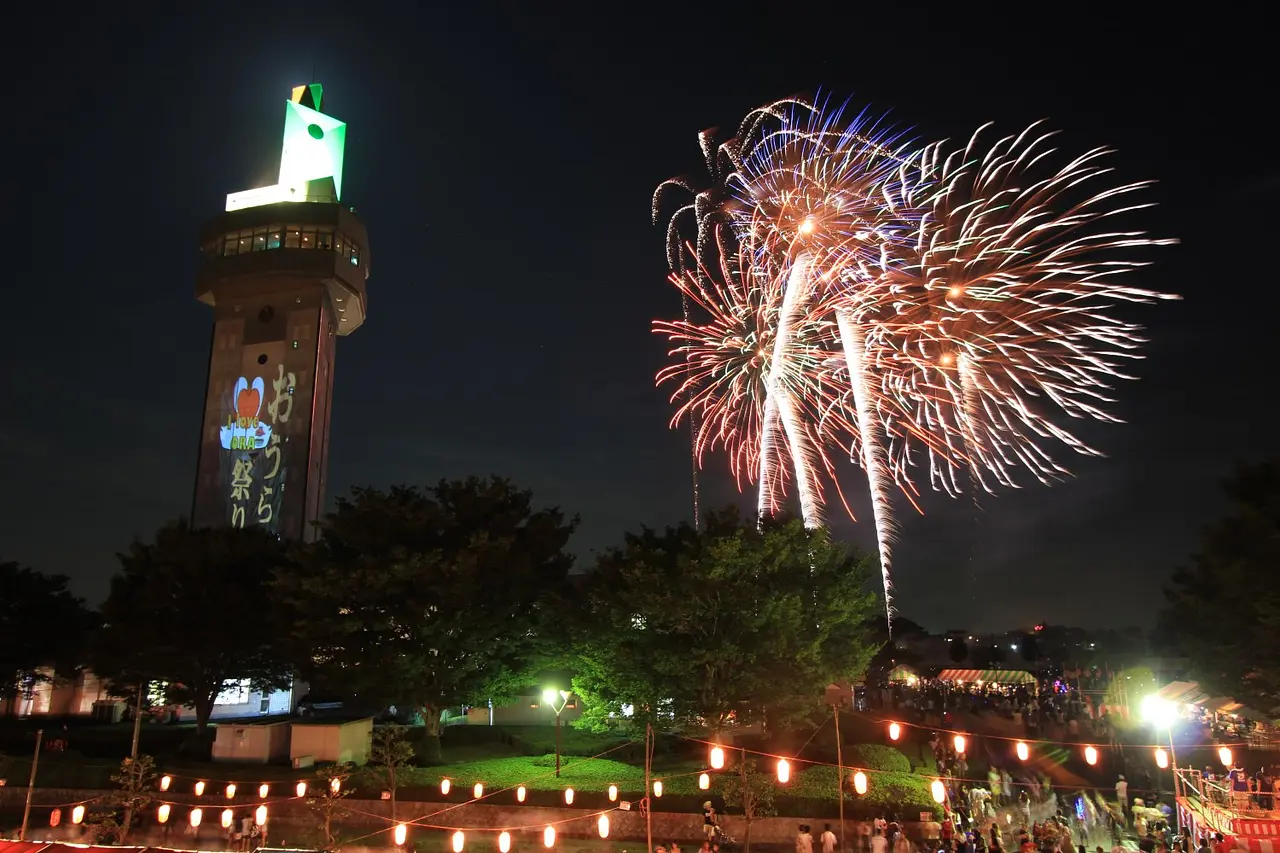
x: 42, y: 629
x: 429, y: 597
x: 193, y: 609
x: 1223, y: 608
x: 722, y: 625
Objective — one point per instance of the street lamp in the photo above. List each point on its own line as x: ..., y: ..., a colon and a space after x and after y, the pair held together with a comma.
x: 550, y: 696
x: 1161, y: 714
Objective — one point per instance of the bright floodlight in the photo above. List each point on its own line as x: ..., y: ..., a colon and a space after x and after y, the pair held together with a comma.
x: 549, y: 695
x: 1158, y: 711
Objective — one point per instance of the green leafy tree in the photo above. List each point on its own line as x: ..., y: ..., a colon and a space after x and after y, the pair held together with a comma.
x: 723, y: 625
x: 194, y: 610
x: 135, y: 784
x: 1223, y: 609
x: 325, y: 796
x: 389, y: 753
x: 750, y: 791
x: 30, y: 652
x: 433, y: 598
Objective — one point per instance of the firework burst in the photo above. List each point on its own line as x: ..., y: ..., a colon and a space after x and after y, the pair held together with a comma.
x: 999, y: 310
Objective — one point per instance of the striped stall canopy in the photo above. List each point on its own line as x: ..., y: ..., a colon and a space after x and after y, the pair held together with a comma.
x: 987, y: 676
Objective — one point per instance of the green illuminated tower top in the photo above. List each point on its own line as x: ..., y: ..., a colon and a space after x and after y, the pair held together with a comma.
x: 310, y: 158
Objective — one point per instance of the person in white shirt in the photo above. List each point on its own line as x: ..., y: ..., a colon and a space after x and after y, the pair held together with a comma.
x: 879, y: 844
x: 828, y: 839
x: 804, y: 841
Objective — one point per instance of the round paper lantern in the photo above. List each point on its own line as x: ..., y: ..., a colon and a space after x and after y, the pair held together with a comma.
x: 77, y: 815
x: 657, y: 788
x: 1162, y: 758
x: 717, y: 758
x: 335, y: 785
x: 704, y: 781
x: 458, y: 841
x: 477, y: 791
x: 301, y: 789
x: 613, y: 793
x: 402, y: 833
x: 1091, y: 755
x: 263, y: 790
x: 784, y: 771
x: 260, y: 815
x: 1024, y: 751
x: 568, y: 796
x: 200, y: 789
x: 1225, y: 756
x: 938, y: 790
x: 960, y: 744
x: 162, y: 813
x: 227, y: 817
x: 165, y: 782
x: 196, y: 814
x: 549, y: 837
x: 504, y: 841
x: 445, y: 785
x: 520, y: 794
x: 860, y: 782
x: 231, y: 791
x: 603, y: 825
x: 895, y: 731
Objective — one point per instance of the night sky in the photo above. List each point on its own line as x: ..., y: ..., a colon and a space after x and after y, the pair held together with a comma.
x: 503, y: 162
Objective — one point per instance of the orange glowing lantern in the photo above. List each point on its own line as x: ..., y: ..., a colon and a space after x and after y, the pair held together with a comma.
x: 445, y: 785
x: 960, y: 744
x: 520, y: 794
x: 860, y: 782
x: 1024, y: 751
x: 1225, y: 756
x: 938, y: 790
x: 895, y: 731
x: 263, y: 790
x: 227, y: 817
x: 301, y: 789
x: 459, y: 840
x: 784, y: 771
x: 401, y: 833
x: 704, y: 781
x: 162, y: 813
x: 613, y: 793
x: 165, y: 782
x: 568, y: 796
x: 549, y: 837
x: 1091, y: 755
x: 717, y: 758
x: 657, y: 788
x: 231, y: 791
x: 77, y: 815
x: 477, y: 791
x: 603, y: 825
x: 1162, y: 758
x: 504, y: 842
x: 196, y: 814
x: 200, y: 789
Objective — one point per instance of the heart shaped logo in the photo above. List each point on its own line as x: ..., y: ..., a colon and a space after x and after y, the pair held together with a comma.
x: 247, y: 403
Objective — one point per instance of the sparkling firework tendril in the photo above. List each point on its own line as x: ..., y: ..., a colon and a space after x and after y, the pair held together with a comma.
x: 1002, y: 302
x: 722, y: 364
x: 822, y: 186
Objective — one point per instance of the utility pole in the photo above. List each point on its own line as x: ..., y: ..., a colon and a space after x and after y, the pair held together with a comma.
x: 31, y: 786
x: 835, y: 712
x: 648, y: 802
x: 137, y: 720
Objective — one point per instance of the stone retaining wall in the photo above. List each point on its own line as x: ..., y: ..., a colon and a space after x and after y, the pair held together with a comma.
x: 288, y: 816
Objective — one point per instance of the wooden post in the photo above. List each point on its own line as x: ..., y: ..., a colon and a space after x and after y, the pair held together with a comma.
x: 31, y: 786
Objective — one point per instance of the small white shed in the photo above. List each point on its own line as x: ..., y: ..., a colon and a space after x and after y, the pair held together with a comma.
x: 331, y: 740
x: 259, y: 743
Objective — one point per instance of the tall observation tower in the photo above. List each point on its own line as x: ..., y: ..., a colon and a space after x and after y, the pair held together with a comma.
x: 284, y: 269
